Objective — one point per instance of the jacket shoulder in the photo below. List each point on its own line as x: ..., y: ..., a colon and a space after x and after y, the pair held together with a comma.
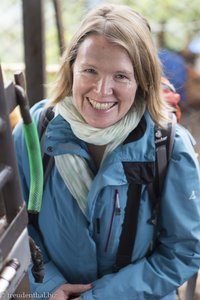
x: 184, y: 145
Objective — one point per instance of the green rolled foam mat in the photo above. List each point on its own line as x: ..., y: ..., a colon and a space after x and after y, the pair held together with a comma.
x: 36, y: 167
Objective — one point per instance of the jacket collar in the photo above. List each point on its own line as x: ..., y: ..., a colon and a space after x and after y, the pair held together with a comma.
x: 137, y: 133
x: 139, y: 145
x: 59, y: 139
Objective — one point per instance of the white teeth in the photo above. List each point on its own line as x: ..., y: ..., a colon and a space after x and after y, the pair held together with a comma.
x: 103, y: 106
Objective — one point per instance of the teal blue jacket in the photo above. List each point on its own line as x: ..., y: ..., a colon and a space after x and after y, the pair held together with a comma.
x: 82, y: 248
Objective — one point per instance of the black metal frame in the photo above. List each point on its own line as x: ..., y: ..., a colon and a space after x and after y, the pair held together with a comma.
x: 14, y: 242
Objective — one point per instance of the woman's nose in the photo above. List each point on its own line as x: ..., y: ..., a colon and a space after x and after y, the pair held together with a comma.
x: 104, y: 86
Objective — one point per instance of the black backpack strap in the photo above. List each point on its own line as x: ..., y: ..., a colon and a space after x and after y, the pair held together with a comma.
x: 164, y: 139
x: 129, y: 227
x: 46, y: 116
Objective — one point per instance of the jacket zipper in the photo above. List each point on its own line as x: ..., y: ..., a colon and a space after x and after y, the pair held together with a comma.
x: 116, y: 211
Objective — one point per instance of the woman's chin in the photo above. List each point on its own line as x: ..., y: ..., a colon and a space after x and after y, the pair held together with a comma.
x: 99, y: 123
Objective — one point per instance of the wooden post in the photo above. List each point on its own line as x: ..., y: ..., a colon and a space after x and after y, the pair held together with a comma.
x: 34, y: 45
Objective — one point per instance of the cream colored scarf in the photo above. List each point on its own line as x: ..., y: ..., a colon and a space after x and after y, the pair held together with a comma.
x: 74, y: 169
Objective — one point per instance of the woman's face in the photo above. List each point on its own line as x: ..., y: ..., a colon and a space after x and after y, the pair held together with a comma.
x: 104, y: 85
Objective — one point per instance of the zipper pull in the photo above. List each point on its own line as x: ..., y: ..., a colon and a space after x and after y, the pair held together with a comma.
x: 117, y: 208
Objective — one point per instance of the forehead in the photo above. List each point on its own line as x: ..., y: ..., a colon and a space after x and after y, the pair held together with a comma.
x: 98, y: 49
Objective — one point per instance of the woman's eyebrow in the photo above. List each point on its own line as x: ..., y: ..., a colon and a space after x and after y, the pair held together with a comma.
x: 88, y: 65
x: 125, y: 72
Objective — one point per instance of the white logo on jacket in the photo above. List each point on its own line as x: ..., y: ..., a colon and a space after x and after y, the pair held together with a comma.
x: 192, y: 196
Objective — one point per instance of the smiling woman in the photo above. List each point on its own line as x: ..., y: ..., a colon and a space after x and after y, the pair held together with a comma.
x: 107, y: 106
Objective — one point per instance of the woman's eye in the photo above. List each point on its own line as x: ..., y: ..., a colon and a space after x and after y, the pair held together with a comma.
x: 121, y: 77
x: 90, y: 71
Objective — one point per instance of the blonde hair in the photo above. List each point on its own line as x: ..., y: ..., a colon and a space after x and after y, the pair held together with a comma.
x: 125, y: 27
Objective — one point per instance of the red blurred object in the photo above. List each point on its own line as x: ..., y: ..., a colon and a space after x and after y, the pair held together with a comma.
x: 171, y: 96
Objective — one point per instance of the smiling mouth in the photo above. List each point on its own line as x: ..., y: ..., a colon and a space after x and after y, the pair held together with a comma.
x: 101, y: 106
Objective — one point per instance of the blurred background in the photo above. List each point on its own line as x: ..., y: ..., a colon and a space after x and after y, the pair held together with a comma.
x: 34, y: 33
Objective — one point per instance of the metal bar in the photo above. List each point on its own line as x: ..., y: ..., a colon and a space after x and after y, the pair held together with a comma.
x: 14, y: 242
x: 34, y: 45
x: 13, y: 231
x: 10, y: 97
x: 2, y: 125
x: 23, y: 288
x: 2, y: 210
x: 20, y: 253
x: 20, y: 80
x: 12, y: 192
x: 5, y: 175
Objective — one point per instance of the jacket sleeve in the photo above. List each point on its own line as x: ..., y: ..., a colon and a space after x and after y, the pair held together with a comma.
x: 53, y: 278
x: 177, y: 255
